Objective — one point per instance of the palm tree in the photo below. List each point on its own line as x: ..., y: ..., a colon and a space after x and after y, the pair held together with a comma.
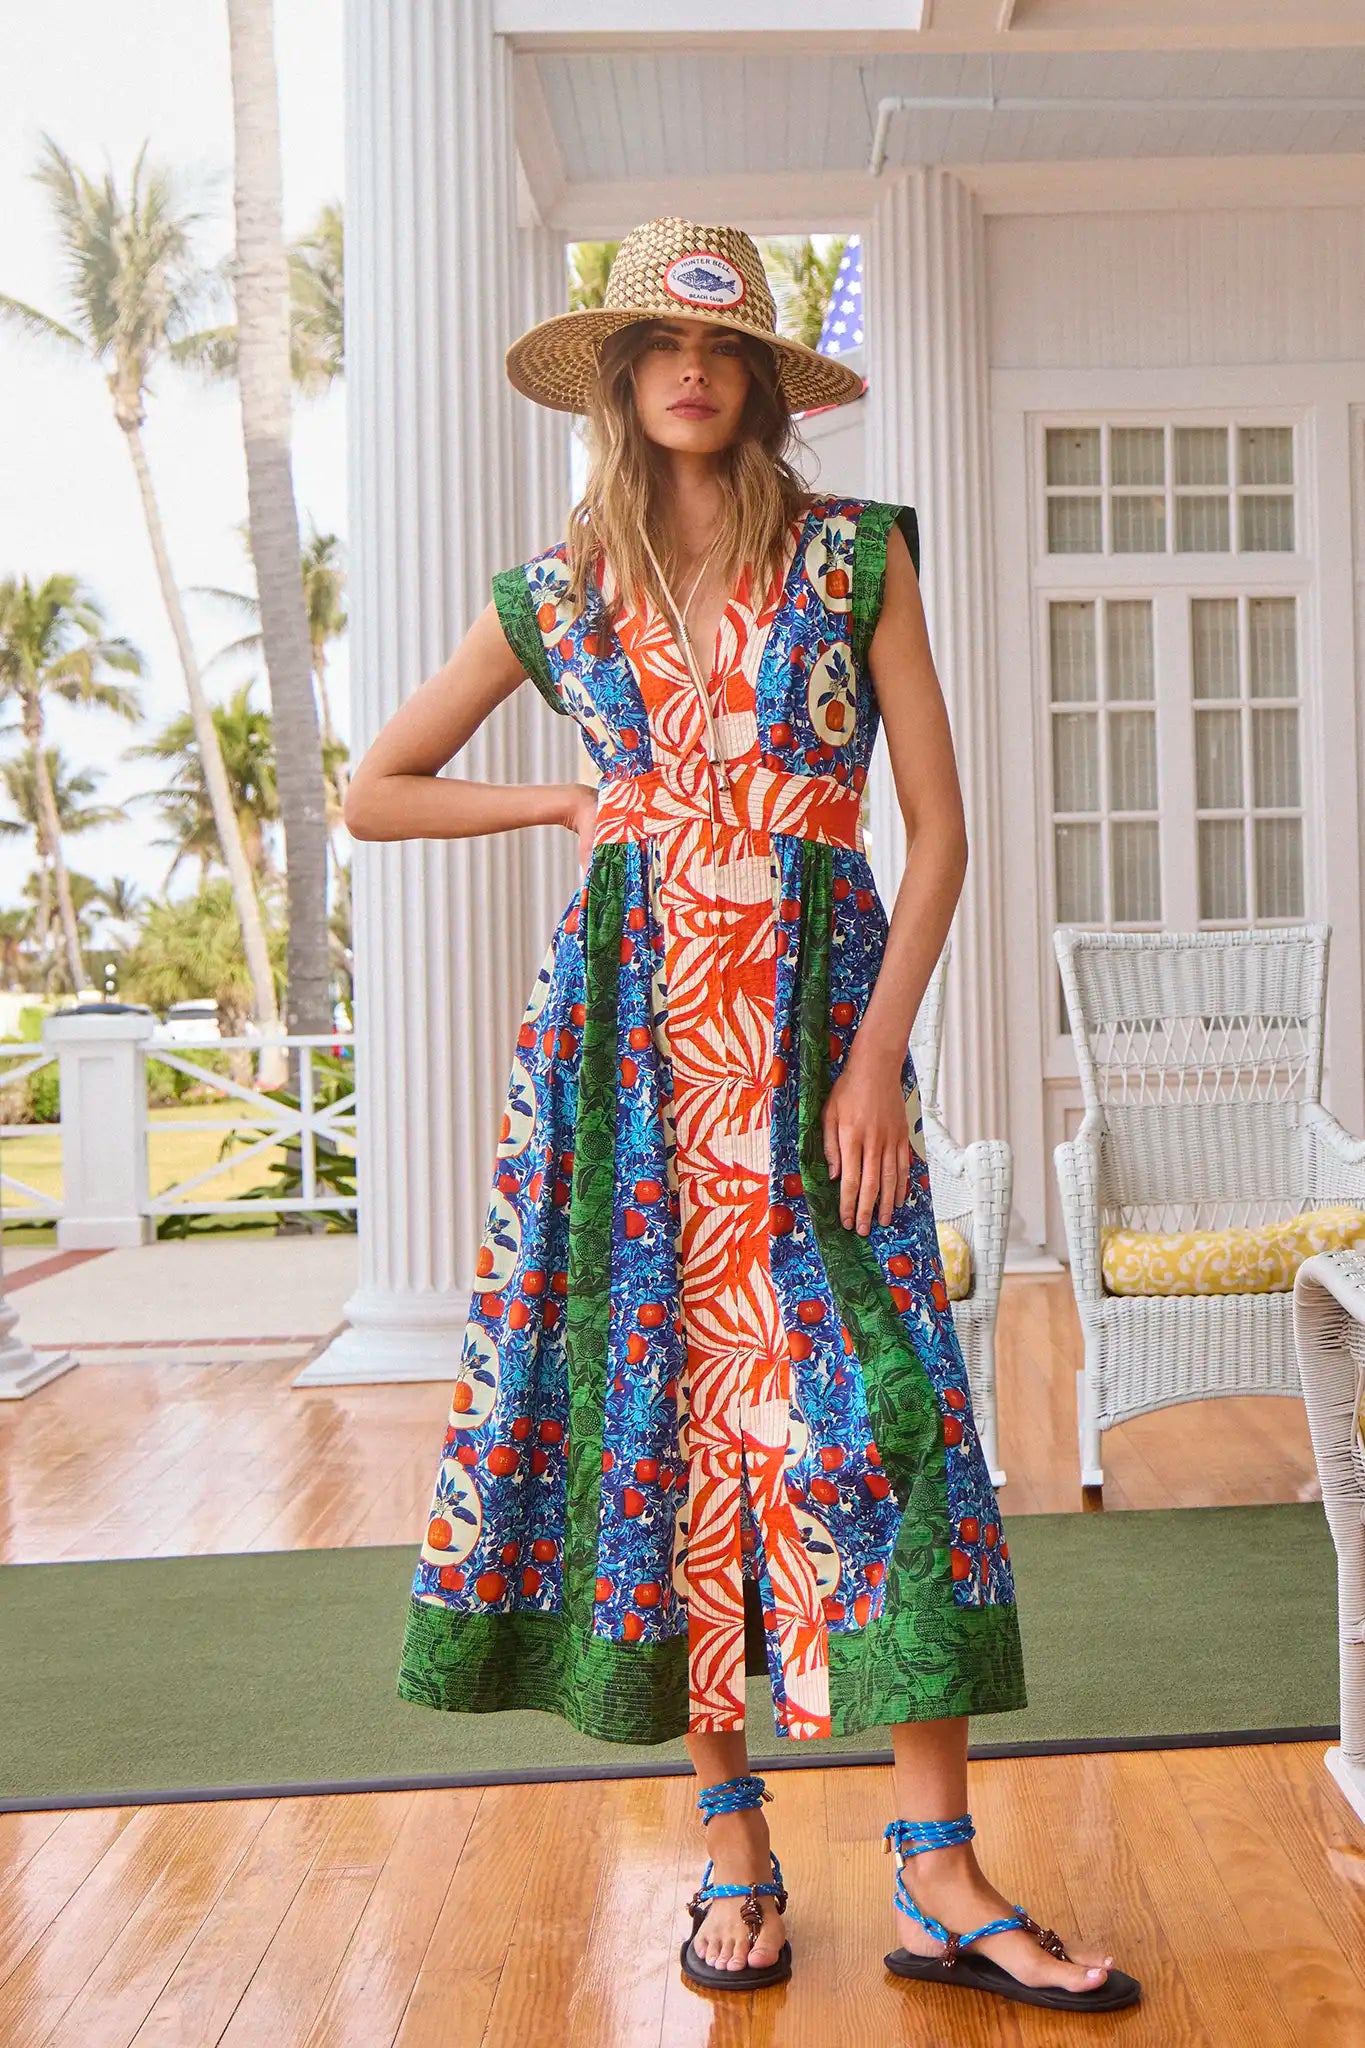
x: 316, y: 274
x: 261, y: 286
x: 53, y: 643
x: 803, y: 278
x: 316, y: 344
x: 134, y: 290
x: 19, y: 779
x: 324, y: 598
x: 589, y: 264
x: 246, y: 743
x: 193, y: 947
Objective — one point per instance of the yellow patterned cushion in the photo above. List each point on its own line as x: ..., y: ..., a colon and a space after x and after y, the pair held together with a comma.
x: 1258, y: 1259
x: 956, y: 1254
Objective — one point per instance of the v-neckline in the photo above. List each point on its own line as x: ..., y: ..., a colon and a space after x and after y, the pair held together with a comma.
x: 661, y: 614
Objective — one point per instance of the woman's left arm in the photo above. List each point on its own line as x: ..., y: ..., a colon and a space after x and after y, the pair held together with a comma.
x: 866, y: 1135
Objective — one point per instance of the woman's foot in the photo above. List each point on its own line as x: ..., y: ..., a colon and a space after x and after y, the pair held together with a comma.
x: 737, y: 1844
x: 949, y: 1886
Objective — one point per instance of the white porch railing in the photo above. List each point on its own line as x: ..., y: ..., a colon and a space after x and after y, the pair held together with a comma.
x: 20, y: 1202
x: 318, y: 1132
x: 285, y: 1150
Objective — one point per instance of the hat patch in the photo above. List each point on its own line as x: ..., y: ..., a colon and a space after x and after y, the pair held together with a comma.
x: 703, y: 279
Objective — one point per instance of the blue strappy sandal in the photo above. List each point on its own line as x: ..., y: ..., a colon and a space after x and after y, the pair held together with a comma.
x: 976, y: 1972
x: 733, y: 1797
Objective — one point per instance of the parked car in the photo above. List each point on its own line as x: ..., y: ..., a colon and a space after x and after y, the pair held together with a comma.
x: 191, y: 1023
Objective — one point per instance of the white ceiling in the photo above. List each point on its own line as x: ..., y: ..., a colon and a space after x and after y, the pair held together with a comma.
x: 622, y: 116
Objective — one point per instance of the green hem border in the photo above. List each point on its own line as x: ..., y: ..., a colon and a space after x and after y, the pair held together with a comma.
x: 512, y: 601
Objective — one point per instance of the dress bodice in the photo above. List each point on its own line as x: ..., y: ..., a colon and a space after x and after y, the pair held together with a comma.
x: 791, y: 689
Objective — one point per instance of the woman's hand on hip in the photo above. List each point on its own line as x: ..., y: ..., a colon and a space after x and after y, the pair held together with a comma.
x: 867, y: 1142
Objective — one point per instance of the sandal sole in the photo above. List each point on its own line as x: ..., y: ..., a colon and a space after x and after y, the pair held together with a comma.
x: 747, y: 1979
x: 979, y: 1973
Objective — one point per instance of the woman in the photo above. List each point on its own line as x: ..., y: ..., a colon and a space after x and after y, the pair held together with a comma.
x: 711, y: 1414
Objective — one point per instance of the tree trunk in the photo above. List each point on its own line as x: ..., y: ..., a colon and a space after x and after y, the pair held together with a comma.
x: 261, y: 282
x: 50, y: 836
x: 210, y: 752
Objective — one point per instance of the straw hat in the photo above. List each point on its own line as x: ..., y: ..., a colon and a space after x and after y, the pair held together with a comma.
x: 672, y: 270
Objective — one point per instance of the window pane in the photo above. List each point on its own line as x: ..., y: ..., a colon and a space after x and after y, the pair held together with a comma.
x: 1073, y: 526
x: 1128, y: 624
x: 1201, y: 526
x: 1265, y: 455
x: 1213, y: 646
x: 1222, y: 870
x: 1218, y: 760
x: 1279, y: 867
x: 1073, y: 455
x: 1136, y: 866
x: 1080, y: 899
x: 1138, y: 525
x: 1201, y: 455
x: 1075, y: 761
x: 1275, y: 759
x: 1137, y: 455
x: 1272, y: 653
x: 1267, y: 526
x: 1132, y: 761
x: 1071, y: 632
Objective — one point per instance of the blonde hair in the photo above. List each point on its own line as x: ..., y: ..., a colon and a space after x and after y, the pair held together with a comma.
x: 627, y: 473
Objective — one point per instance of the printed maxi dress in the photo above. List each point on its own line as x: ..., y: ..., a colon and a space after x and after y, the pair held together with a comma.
x: 698, y: 1427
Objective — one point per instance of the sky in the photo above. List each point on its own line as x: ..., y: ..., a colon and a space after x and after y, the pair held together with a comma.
x: 101, y: 80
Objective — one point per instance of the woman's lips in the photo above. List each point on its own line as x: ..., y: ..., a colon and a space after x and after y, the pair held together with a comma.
x: 693, y: 409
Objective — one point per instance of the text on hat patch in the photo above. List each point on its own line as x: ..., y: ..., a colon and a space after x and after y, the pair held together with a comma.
x: 703, y: 279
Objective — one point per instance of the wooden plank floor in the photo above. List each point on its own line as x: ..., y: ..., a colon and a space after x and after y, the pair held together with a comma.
x: 1232, y: 1881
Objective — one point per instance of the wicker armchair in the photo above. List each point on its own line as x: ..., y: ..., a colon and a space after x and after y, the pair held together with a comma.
x: 1200, y: 1057
x: 1329, y: 1330
x: 972, y: 1186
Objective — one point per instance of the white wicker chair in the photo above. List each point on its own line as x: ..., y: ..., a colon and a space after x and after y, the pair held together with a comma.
x: 972, y: 1186
x: 1200, y: 1057
x: 1329, y: 1330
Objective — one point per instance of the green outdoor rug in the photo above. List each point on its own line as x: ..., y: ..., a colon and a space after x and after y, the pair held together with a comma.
x: 204, y: 1677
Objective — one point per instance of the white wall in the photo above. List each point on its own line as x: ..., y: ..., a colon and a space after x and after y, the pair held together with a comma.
x: 1253, y: 308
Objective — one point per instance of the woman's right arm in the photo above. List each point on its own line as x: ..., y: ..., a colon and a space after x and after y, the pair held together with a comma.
x: 396, y: 792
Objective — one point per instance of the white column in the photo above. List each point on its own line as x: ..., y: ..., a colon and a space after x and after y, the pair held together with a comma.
x: 444, y: 954
x: 552, y: 749
x: 928, y: 446
x: 104, y: 1129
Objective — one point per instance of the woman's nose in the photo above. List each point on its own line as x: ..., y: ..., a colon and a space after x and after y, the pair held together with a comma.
x: 693, y: 369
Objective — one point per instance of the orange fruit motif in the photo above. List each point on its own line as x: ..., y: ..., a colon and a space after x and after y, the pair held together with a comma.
x: 490, y: 1585
x: 439, y: 1533
x: 503, y: 1460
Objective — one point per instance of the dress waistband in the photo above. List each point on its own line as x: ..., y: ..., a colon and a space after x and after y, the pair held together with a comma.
x: 745, y: 795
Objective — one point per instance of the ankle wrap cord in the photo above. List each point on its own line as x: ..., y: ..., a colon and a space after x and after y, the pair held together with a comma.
x: 736, y: 1795
x: 908, y: 1838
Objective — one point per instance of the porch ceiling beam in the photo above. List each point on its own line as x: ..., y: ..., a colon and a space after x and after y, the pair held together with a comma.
x: 819, y: 202
x: 648, y: 20
x: 887, y: 26
x: 538, y: 153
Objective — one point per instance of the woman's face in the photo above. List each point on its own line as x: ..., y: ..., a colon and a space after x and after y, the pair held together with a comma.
x: 691, y: 381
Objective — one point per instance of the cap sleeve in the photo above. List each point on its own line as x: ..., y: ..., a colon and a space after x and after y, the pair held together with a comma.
x: 518, y: 610
x: 869, y: 567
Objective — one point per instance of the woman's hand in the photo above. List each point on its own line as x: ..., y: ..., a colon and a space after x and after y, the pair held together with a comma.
x: 867, y: 1140
x: 580, y: 816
